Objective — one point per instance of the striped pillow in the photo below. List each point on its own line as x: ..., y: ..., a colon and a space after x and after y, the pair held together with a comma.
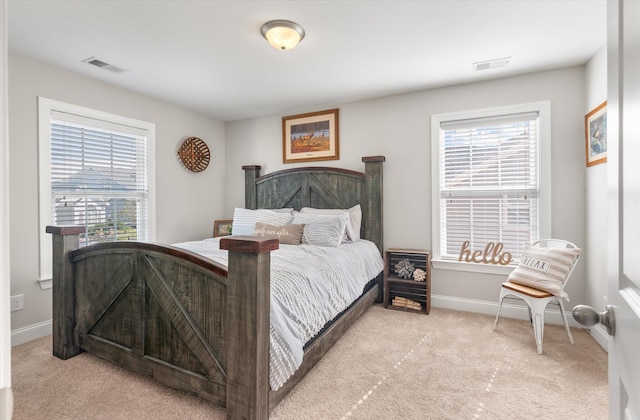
x: 354, y: 219
x: 321, y: 229
x: 244, y: 220
x: 545, y: 268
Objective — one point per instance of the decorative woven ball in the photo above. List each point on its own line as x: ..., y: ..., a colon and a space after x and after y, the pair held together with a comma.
x: 419, y: 274
x: 405, y: 268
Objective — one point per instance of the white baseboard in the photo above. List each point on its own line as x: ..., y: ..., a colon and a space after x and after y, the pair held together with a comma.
x: 509, y: 310
x: 31, y: 332
x: 6, y: 403
x: 599, y: 333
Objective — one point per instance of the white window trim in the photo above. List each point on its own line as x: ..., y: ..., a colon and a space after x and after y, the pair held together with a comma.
x: 45, y: 108
x: 544, y: 110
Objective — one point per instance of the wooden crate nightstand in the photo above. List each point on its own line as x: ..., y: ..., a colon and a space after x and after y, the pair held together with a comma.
x: 407, y: 290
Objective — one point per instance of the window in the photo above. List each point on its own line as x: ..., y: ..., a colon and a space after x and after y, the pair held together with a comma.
x: 96, y: 170
x: 490, y: 180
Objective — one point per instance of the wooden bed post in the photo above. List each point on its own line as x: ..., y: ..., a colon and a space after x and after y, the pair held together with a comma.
x: 373, y: 184
x: 248, y: 320
x: 251, y: 173
x: 65, y: 239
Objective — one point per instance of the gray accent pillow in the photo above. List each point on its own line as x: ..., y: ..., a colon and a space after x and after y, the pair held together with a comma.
x: 288, y: 235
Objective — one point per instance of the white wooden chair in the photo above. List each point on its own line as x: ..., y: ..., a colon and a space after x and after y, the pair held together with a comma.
x: 536, y: 299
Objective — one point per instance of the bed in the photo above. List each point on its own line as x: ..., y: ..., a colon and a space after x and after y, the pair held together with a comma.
x: 187, y: 320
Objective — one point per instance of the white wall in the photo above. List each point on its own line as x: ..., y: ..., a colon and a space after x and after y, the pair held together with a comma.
x: 595, y: 256
x: 187, y: 203
x: 399, y: 128
x: 6, y: 396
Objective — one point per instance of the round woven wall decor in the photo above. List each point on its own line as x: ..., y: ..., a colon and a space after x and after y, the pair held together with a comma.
x: 194, y: 154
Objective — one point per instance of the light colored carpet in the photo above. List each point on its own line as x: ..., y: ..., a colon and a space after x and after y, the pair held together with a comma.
x: 389, y: 365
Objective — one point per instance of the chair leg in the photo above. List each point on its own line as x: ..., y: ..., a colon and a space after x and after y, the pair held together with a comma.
x: 537, y: 310
x: 564, y: 318
x: 495, y: 323
x: 538, y: 331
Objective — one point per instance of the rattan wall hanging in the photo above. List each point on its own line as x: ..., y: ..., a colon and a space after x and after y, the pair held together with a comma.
x: 194, y: 154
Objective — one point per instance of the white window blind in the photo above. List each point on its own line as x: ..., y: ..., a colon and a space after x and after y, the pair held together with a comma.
x: 99, y: 178
x: 97, y: 170
x: 488, y: 182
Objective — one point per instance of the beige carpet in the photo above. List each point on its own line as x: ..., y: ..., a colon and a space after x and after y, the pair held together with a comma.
x: 390, y: 365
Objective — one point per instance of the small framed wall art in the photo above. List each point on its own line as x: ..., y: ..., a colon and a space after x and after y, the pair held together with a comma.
x: 595, y: 126
x: 310, y: 137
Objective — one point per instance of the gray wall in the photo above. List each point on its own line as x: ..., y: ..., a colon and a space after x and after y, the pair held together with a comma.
x: 399, y: 128
x: 186, y: 203
x: 595, y: 257
x: 6, y: 395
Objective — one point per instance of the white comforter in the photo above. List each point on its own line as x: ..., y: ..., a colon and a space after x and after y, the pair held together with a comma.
x: 310, y: 286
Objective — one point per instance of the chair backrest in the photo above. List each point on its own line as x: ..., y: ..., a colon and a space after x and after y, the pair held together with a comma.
x: 559, y: 243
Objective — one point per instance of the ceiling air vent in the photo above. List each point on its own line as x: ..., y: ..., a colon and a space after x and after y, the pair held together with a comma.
x: 106, y: 66
x: 491, y: 64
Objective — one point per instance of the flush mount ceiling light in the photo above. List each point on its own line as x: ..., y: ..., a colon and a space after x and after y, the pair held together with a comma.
x: 282, y: 34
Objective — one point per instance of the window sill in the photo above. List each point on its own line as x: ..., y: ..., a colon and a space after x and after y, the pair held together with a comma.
x: 45, y: 284
x: 472, y: 267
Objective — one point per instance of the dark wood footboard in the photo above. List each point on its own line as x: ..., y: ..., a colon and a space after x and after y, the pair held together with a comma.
x: 170, y: 314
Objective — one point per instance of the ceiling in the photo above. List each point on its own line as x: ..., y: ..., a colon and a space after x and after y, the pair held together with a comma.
x: 209, y: 56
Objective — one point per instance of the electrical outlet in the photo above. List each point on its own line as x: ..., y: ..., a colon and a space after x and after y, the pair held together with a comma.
x: 17, y: 303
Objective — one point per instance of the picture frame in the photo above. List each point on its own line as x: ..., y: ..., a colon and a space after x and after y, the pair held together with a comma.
x: 311, y: 137
x: 595, y: 129
x: 222, y: 228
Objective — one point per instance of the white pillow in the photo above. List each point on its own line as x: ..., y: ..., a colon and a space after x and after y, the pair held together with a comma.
x: 287, y: 210
x: 354, y: 220
x: 244, y: 220
x: 545, y: 268
x: 321, y: 229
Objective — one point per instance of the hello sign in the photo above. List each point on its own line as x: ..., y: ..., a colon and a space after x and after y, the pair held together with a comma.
x: 492, y: 254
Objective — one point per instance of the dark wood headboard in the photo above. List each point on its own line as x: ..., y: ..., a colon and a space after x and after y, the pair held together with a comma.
x: 323, y: 188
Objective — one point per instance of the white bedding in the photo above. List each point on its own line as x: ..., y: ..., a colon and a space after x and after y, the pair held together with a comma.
x: 310, y: 286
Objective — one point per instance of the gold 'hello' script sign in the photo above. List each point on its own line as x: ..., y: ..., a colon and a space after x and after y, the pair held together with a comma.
x: 492, y: 254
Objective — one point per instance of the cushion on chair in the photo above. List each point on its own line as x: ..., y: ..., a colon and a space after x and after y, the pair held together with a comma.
x: 545, y: 268
x: 526, y: 290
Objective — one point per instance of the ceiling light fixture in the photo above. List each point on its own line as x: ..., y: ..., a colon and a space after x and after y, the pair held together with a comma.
x: 282, y: 34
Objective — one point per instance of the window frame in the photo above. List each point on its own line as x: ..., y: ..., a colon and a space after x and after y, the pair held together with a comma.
x: 543, y: 109
x: 45, y: 109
